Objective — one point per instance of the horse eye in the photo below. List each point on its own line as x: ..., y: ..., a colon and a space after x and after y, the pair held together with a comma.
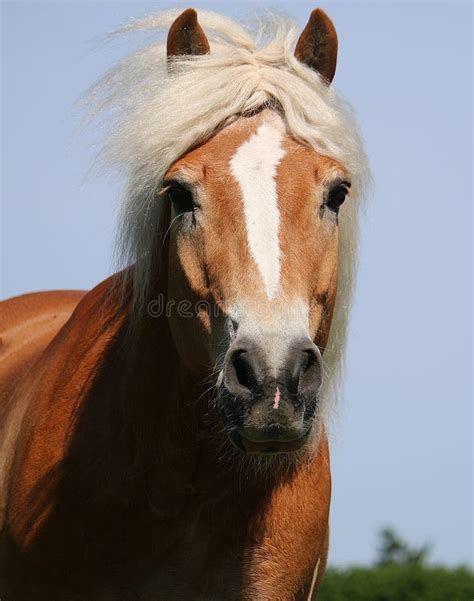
x: 337, y: 195
x: 181, y: 197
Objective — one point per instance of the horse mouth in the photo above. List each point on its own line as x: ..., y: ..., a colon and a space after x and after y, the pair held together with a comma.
x: 267, y: 447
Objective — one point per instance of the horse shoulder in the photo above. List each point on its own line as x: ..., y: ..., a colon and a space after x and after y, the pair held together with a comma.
x: 53, y: 341
x: 28, y: 323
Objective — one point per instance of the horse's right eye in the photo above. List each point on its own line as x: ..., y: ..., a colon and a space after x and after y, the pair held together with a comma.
x: 181, y: 198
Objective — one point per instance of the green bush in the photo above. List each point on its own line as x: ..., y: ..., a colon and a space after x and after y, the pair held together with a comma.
x: 401, y: 573
x: 392, y: 582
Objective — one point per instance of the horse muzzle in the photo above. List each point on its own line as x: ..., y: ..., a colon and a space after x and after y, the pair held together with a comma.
x: 269, y: 398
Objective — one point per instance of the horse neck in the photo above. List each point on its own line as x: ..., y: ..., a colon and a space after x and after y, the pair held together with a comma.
x: 141, y: 412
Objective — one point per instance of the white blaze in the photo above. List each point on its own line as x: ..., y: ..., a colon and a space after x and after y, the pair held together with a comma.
x: 254, y: 166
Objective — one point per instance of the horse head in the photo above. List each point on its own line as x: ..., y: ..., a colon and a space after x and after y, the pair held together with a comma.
x: 256, y: 165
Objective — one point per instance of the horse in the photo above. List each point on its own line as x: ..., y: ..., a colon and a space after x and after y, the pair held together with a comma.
x: 165, y: 435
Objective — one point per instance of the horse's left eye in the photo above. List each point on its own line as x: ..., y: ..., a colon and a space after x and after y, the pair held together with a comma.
x: 337, y: 195
x: 181, y: 197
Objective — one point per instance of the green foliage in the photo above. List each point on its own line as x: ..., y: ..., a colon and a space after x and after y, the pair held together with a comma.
x: 400, y: 574
x: 394, y: 582
x: 393, y: 550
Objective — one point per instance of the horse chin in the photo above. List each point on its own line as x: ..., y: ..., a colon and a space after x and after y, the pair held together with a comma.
x: 268, y: 447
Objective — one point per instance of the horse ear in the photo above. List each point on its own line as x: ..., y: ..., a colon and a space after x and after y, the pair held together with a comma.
x: 186, y: 36
x: 317, y: 45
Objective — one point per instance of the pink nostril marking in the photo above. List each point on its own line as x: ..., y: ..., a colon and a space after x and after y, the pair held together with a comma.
x: 276, y: 400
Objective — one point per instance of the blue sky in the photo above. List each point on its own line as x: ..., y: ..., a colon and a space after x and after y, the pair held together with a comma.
x: 402, y: 442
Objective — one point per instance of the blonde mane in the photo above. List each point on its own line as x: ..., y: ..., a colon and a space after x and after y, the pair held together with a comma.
x: 154, y: 117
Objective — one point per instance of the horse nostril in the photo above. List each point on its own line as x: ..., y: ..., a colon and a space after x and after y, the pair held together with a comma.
x: 303, y: 369
x: 249, y: 374
x: 243, y: 370
x: 309, y: 361
x: 310, y: 372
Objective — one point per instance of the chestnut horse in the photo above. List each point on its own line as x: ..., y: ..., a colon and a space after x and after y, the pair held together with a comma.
x: 163, y: 437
